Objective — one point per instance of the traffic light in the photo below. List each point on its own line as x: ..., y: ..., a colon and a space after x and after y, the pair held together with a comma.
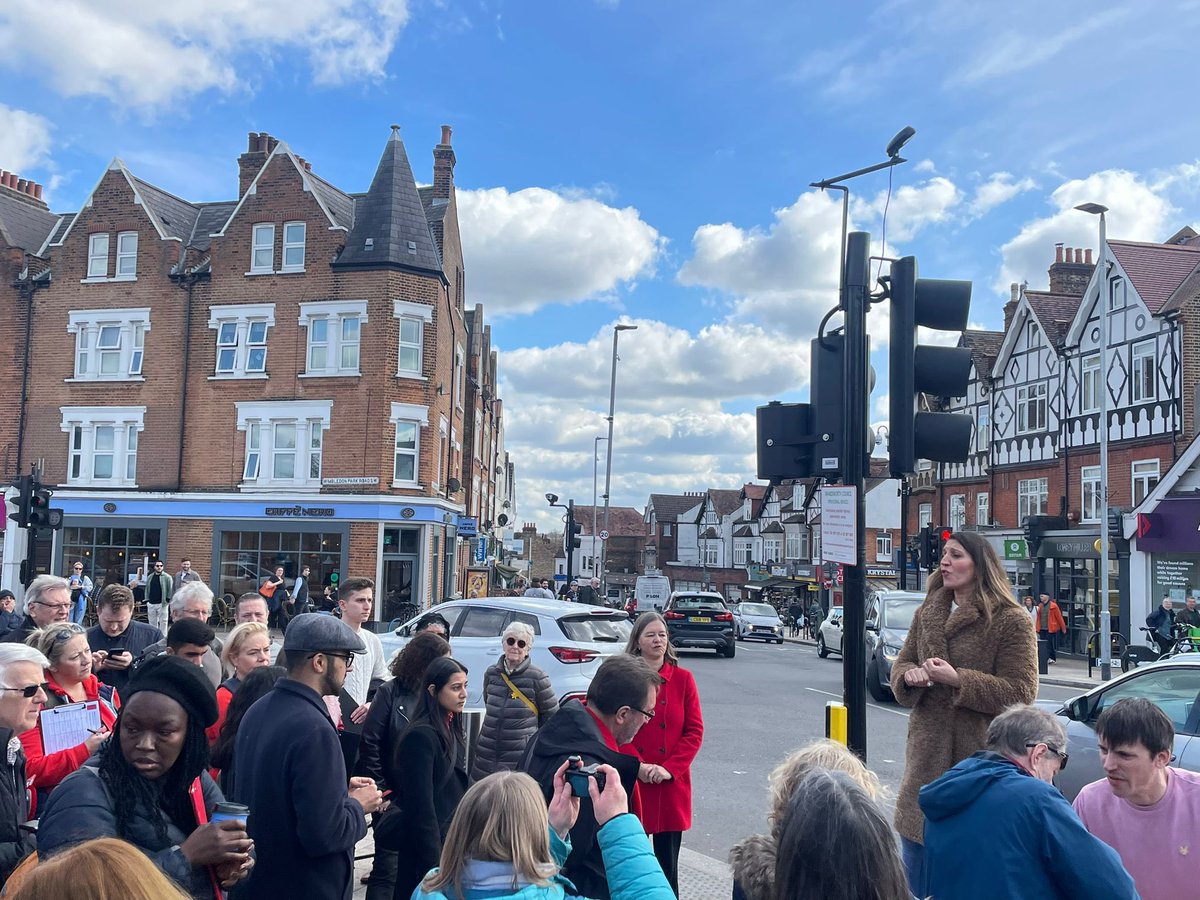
x: 1116, y: 522
x: 573, y: 540
x: 25, y: 486
x: 917, y: 369
x: 932, y: 542
x: 40, y: 514
x: 802, y: 440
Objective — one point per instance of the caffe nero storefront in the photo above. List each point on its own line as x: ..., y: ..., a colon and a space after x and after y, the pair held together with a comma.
x: 1067, y: 566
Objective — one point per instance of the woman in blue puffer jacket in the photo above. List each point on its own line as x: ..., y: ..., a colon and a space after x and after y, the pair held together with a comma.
x: 505, y: 812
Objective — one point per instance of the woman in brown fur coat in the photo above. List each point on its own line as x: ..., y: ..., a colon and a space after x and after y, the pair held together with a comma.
x: 971, y: 652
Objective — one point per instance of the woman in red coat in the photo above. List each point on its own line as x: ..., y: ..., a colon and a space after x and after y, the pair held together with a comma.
x: 666, y: 744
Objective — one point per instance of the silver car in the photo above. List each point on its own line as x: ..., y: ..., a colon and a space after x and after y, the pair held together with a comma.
x: 1172, y: 684
x: 759, y: 621
x: 889, y: 616
x: 570, y: 639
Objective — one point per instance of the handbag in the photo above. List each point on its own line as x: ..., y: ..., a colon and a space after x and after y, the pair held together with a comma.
x: 518, y: 695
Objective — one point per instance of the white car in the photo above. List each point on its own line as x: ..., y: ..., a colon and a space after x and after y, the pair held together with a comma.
x: 757, y: 620
x: 829, y: 635
x: 570, y: 639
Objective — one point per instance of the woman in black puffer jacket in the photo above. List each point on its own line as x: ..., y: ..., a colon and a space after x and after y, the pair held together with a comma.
x: 519, y: 701
x: 394, y: 704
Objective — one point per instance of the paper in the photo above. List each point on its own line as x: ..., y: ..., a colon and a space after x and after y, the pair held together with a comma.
x: 68, y: 726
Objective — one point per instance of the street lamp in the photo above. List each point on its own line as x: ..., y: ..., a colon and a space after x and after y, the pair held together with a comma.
x: 612, y: 403
x: 1102, y: 303
x: 595, y: 467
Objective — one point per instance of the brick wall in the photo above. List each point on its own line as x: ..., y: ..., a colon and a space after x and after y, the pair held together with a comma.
x: 363, y: 551
x: 192, y: 538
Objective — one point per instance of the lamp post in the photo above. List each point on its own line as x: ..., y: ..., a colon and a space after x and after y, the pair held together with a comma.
x: 595, y: 466
x: 1102, y: 304
x: 612, y: 403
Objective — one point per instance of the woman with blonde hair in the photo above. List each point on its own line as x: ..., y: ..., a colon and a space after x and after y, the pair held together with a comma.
x: 667, y: 745
x: 247, y: 648
x: 505, y: 843
x: 970, y: 654
x: 103, y: 869
x: 519, y: 700
x: 753, y: 860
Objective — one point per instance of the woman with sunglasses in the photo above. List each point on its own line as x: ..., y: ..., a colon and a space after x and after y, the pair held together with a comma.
x: 519, y: 700
x: 69, y: 679
x: 667, y: 744
x: 430, y: 762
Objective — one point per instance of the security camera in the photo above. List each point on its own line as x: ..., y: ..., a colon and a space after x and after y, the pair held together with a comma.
x: 552, y: 499
x: 896, y: 144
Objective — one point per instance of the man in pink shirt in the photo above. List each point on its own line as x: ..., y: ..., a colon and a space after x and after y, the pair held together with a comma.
x: 1144, y: 809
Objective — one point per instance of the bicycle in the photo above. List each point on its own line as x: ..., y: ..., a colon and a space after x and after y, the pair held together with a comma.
x: 1136, y: 655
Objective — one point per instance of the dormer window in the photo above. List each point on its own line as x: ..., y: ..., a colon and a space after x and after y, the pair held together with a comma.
x: 98, y: 247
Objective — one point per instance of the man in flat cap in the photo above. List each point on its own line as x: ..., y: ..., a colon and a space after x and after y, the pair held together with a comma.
x: 291, y: 771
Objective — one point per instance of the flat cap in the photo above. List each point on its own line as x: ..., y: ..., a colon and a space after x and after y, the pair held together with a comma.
x: 320, y: 633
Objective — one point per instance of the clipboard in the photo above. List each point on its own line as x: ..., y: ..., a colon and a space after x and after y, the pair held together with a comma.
x: 68, y: 726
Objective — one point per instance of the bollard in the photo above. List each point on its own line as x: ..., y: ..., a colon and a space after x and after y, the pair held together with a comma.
x: 1043, y: 648
x: 835, y: 721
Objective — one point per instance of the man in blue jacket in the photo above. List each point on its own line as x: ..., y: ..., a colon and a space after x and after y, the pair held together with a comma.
x: 290, y: 771
x: 996, y: 827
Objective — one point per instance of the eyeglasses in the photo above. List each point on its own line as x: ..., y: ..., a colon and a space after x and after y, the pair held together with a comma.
x: 57, y: 607
x: 1062, y: 757
x: 29, y: 691
x: 516, y: 642
x: 648, y: 715
x: 347, y: 658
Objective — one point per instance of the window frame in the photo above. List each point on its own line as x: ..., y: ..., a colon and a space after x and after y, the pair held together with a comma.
x: 95, y: 255
x: 418, y: 417
x: 883, y: 539
x: 124, y: 255
x: 1091, y: 494
x: 263, y: 450
x: 1035, y: 395
x: 257, y: 246
x: 284, y: 265
x: 983, y: 428
x: 83, y: 424
x: 924, y: 515
x: 1089, y: 383
x: 242, y: 318
x: 332, y: 316
x: 1138, y: 353
x: 956, y: 512
x: 88, y: 326
x: 1143, y: 478
x: 1041, y: 494
x: 983, y: 508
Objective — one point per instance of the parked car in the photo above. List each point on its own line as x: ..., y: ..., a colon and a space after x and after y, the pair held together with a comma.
x: 570, y: 639
x: 1172, y: 684
x: 759, y: 621
x: 700, y: 619
x: 889, y: 616
x: 829, y: 634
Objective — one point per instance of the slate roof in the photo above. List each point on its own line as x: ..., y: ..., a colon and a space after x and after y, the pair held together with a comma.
x: 669, y: 507
x: 744, y: 531
x: 60, y: 229
x: 175, y: 217
x: 1054, y: 312
x: 341, y: 205
x: 799, y: 518
x: 211, y: 218
x: 725, y: 502
x: 773, y: 528
x: 755, y: 491
x: 984, y: 347
x: 393, y: 217
x: 435, y: 207
x: 1156, y: 270
x: 23, y: 224
x: 623, y: 521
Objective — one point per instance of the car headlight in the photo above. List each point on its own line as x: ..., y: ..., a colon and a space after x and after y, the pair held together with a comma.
x: 890, y: 653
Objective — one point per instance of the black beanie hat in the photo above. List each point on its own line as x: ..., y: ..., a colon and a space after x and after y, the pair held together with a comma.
x: 180, y: 680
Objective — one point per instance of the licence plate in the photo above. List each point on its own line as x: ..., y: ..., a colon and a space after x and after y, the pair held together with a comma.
x: 700, y: 619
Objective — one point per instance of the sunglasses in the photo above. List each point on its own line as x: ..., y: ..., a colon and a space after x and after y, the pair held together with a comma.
x: 1062, y: 757
x: 516, y: 642
x: 29, y: 691
x: 68, y: 631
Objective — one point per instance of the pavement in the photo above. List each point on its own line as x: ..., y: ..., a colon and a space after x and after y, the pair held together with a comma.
x: 1066, y: 672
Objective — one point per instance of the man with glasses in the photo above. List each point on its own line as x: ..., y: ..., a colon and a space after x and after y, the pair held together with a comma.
x: 193, y: 601
x: 290, y: 770
x: 159, y: 588
x: 22, y: 694
x: 620, y: 700
x: 997, y: 828
x: 1145, y: 808
x: 47, y: 600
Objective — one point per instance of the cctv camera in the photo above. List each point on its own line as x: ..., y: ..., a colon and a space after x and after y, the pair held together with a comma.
x: 552, y: 499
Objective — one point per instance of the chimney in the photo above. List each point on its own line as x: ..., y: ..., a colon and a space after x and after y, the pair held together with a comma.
x: 251, y: 162
x: 1014, y: 297
x: 443, y: 166
x: 1071, y: 271
x: 24, y: 189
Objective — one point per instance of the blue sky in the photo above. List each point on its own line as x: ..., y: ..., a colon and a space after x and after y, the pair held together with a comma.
x: 646, y: 161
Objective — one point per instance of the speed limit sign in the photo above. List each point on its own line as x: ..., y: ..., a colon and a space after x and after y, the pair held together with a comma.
x: 603, y: 535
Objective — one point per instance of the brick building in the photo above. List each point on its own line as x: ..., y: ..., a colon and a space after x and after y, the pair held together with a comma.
x: 290, y: 377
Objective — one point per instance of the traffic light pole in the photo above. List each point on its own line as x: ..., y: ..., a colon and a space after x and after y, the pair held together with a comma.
x: 854, y: 471
x: 569, y: 541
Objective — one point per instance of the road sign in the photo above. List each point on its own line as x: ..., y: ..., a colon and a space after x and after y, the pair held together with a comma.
x: 1015, y: 548
x: 603, y: 535
x: 839, y: 520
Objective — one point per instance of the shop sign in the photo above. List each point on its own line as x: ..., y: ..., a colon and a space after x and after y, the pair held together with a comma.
x: 1016, y: 548
x: 779, y: 571
x: 468, y: 526
x: 880, y: 572
x: 299, y: 512
x: 1069, y: 547
x: 344, y: 482
x: 481, y: 549
x: 1173, y: 575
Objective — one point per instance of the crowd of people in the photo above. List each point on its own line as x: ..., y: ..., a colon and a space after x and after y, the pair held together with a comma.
x: 253, y: 769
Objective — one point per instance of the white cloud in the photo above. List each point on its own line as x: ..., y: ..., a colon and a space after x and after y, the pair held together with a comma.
x: 24, y: 139
x: 532, y: 247
x: 147, y: 53
x: 911, y: 207
x: 998, y: 189
x: 1136, y: 212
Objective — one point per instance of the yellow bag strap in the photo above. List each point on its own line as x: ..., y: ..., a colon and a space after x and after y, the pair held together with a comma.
x: 518, y: 695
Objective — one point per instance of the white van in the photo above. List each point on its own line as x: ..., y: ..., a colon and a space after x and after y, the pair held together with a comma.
x: 651, y: 592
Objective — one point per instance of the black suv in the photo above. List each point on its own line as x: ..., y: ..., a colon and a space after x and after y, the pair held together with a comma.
x: 700, y: 619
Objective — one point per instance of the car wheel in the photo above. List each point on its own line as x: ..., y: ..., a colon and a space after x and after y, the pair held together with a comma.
x: 780, y: 641
x: 730, y: 650
x: 822, y: 650
x: 740, y: 636
x: 874, y: 686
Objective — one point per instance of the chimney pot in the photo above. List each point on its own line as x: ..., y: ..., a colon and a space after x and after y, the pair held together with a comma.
x: 1088, y: 254
x: 37, y: 191
x: 446, y: 132
x: 251, y: 141
x: 1014, y: 292
x: 1058, y: 253
x: 23, y: 186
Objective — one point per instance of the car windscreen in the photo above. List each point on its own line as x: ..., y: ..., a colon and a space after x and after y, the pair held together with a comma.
x: 898, y: 614
x: 687, y: 602
x: 602, y: 629
x: 758, y: 609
